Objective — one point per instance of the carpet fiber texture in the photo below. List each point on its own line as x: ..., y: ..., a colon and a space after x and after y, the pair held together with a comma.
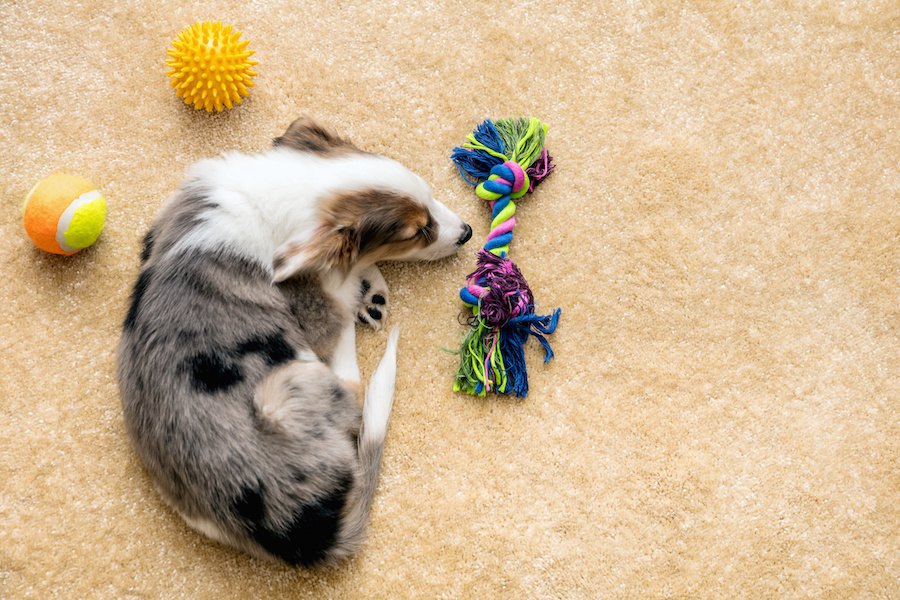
x: 722, y: 235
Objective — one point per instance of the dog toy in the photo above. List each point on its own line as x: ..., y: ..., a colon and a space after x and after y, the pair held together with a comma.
x: 505, y: 160
x: 63, y: 214
x: 210, y: 67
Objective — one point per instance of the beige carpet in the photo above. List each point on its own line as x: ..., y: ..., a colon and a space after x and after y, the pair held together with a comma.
x: 722, y: 235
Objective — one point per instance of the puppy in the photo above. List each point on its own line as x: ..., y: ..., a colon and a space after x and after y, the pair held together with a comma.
x: 237, y: 363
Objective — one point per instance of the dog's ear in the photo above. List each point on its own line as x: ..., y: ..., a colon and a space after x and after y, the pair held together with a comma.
x: 329, y: 248
x: 306, y: 135
x: 375, y: 217
x: 372, y: 223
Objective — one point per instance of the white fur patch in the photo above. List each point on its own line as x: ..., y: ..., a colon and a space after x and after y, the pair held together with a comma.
x: 380, y: 392
x: 343, y: 362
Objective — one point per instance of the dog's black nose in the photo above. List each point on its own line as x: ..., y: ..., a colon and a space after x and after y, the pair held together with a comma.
x: 466, y: 235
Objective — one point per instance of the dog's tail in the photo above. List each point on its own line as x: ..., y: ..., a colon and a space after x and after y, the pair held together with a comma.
x: 376, y: 413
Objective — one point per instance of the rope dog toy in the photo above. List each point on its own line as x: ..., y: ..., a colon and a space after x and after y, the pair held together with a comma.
x: 505, y: 159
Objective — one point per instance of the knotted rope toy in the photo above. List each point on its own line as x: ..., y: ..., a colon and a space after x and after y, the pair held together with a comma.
x: 505, y: 159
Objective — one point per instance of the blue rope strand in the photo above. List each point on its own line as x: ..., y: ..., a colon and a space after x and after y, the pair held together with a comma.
x: 514, y: 335
x: 468, y: 297
x: 477, y: 163
x: 499, y: 241
x: 499, y: 205
x: 495, y: 186
x: 539, y: 326
x: 486, y: 133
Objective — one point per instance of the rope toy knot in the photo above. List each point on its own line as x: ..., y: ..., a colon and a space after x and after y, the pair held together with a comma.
x: 501, y: 289
x: 506, y: 179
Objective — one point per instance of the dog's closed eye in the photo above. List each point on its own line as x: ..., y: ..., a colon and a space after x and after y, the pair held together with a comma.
x: 429, y: 231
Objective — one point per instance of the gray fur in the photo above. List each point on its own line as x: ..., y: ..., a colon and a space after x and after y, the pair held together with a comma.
x: 203, y: 332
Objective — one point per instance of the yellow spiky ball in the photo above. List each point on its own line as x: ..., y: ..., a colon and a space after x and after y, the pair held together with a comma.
x: 210, y: 66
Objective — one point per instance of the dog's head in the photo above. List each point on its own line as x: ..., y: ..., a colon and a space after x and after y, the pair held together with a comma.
x: 375, y: 210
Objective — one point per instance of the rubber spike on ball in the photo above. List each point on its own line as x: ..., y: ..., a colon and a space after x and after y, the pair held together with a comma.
x: 504, y: 159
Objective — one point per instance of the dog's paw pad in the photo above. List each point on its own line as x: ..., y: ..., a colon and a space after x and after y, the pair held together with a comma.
x: 372, y: 309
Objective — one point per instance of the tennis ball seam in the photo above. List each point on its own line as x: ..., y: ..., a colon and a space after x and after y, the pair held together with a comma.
x: 77, y: 228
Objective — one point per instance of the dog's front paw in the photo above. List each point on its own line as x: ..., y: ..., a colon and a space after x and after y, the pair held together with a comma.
x: 373, y: 297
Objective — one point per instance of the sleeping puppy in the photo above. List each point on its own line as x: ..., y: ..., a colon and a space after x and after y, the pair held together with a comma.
x: 237, y: 363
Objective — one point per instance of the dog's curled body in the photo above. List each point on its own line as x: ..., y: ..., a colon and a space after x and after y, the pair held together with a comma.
x: 236, y: 364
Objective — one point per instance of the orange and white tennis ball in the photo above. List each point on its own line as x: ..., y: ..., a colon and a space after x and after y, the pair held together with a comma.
x: 64, y: 214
